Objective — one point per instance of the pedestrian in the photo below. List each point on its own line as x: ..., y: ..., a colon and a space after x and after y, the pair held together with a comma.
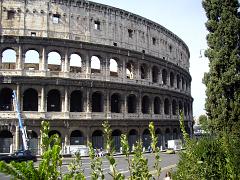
x: 167, y: 176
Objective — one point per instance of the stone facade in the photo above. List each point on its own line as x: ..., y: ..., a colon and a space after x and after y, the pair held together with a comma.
x: 131, y: 71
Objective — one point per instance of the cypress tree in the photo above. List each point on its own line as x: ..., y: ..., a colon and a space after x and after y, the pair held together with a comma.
x: 223, y: 79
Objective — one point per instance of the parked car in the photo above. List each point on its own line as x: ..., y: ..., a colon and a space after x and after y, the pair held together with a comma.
x: 19, y: 156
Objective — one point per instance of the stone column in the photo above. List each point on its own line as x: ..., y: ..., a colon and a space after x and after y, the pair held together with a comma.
x: 88, y: 104
x: 150, y: 78
x: 139, y: 109
x: 42, y: 104
x: 66, y: 102
x: 123, y: 75
x: 107, y: 68
x: 43, y: 60
x: 107, y: 104
x: 63, y: 101
x: 18, y: 94
x: 88, y: 65
x: 124, y: 105
x: 66, y: 143
x: 160, y: 77
x: 20, y: 58
x: 66, y: 62
x: 17, y: 138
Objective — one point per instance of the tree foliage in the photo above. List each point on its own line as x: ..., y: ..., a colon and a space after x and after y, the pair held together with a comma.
x: 223, y: 79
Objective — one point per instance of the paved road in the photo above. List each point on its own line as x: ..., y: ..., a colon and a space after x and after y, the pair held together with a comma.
x: 168, y: 162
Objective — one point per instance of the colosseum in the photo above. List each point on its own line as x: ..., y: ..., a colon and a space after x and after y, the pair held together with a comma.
x: 77, y: 63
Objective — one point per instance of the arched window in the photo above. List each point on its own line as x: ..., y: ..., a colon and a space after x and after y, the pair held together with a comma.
x: 75, y: 63
x: 115, y: 103
x: 174, y: 107
x: 145, y: 105
x: 178, y: 81
x: 130, y: 70
x: 95, y: 64
x: 160, y: 137
x: 164, y: 76
x: 9, y: 59
x: 76, y: 101
x: 113, y: 68
x: 146, y: 139
x: 54, y: 61
x: 97, y: 139
x: 143, y: 71
x: 6, y: 99
x: 172, y: 79
x: 30, y: 100
x: 31, y: 60
x: 157, y: 105
x: 51, y: 133
x: 116, y: 136
x: 166, y: 107
x: 54, y: 101
x: 76, y: 138
x: 97, y: 102
x: 155, y: 74
x: 131, y: 103
x: 6, y: 141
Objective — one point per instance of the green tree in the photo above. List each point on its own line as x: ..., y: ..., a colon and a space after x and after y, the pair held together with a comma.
x: 203, y: 121
x: 223, y: 79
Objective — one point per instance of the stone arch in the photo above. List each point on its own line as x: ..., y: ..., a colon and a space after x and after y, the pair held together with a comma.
x: 76, y: 138
x: 97, y: 139
x: 160, y: 137
x: 116, y: 103
x: 9, y: 59
x: 132, y: 138
x: 76, y: 101
x: 31, y: 60
x: 146, y: 139
x: 54, y: 101
x: 174, y: 107
x: 33, y: 142
x: 6, y: 141
x: 116, y: 137
x: 132, y: 103
x: 95, y: 64
x: 113, y: 67
x: 30, y: 100
x: 172, y: 79
x: 97, y: 102
x: 6, y: 99
x: 75, y: 63
x: 155, y: 74
x: 157, y: 105
x: 130, y: 70
x: 143, y: 71
x: 166, y: 106
x: 54, y: 61
x: 164, y: 76
x: 145, y: 105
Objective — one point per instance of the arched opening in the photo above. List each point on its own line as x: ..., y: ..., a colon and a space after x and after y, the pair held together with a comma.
x: 130, y: 70
x: 175, y: 133
x: 167, y: 136
x: 157, y: 105
x: 95, y: 64
x: 33, y: 142
x: 174, y: 107
x: 155, y: 74
x: 178, y: 81
x: 30, y: 100
x: 172, y: 79
x: 6, y: 141
x: 6, y: 99
x: 145, y: 105
x: 76, y: 101
x: 97, y: 102
x: 97, y: 139
x: 9, y: 59
x: 31, y: 60
x: 116, y: 137
x: 180, y: 106
x: 166, y: 107
x: 164, y: 76
x: 75, y: 63
x: 160, y: 137
x: 115, y: 103
x: 54, y: 61
x: 113, y: 68
x: 54, y: 132
x: 54, y: 101
x: 76, y: 138
x: 146, y: 139
x: 143, y: 71
x: 132, y: 138
x: 131, y: 103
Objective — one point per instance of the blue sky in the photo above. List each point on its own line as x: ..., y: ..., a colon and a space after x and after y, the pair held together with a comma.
x: 186, y: 19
